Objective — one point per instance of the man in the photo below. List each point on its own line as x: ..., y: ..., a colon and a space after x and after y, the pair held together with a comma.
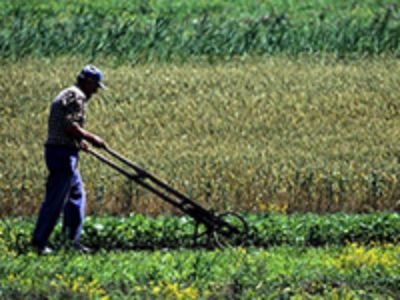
x: 66, y: 136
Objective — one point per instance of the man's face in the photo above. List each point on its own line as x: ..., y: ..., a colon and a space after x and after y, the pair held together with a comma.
x: 91, y: 88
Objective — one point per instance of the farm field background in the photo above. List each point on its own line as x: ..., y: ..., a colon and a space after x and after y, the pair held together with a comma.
x: 277, y: 133
x: 352, y: 272
x: 143, y: 31
x: 284, y: 111
x: 358, y: 258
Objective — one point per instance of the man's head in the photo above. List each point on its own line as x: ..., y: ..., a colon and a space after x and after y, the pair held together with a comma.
x: 90, y: 79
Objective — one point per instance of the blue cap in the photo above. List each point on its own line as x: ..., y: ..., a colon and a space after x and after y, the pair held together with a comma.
x: 90, y: 72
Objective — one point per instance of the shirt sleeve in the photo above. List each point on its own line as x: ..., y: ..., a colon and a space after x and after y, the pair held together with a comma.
x: 74, y: 109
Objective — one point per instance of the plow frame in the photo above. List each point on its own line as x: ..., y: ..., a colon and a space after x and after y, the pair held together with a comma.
x: 221, y: 230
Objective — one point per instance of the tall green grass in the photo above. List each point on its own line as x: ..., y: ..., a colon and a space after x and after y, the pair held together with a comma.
x: 170, y: 31
x: 277, y: 134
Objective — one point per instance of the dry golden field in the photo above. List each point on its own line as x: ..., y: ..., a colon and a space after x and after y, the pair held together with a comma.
x: 264, y: 134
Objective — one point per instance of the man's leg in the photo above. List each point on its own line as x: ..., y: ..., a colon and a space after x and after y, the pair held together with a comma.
x: 74, y: 210
x: 57, y: 189
x: 61, y: 164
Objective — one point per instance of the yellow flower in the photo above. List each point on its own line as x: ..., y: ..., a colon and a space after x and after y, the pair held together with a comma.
x: 156, y: 290
x: 75, y: 286
x: 190, y: 293
x: 11, y: 277
x: 53, y: 283
x: 138, y: 288
x: 357, y: 256
x: 59, y: 276
x: 241, y: 250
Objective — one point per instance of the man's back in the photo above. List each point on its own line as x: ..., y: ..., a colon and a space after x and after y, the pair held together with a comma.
x: 67, y: 108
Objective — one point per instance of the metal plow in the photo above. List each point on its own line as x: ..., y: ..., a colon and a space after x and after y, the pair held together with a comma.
x: 211, y: 229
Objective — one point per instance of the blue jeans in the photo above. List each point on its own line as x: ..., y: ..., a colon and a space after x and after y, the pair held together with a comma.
x: 64, y: 192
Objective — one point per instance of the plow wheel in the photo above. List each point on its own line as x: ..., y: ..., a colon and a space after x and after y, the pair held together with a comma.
x: 233, y: 233
x: 225, y: 237
x: 202, y: 236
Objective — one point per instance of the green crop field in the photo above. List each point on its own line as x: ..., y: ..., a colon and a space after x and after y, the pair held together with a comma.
x: 353, y: 272
x: 142, y: 31
x: 286, y: 112
x: 360, y: 268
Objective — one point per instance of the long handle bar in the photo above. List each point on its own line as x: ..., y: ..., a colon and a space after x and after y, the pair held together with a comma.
x: 144, y: 174
x: 201, y: 212
x: 196, y: 210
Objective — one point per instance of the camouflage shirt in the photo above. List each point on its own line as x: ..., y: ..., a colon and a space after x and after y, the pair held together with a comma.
x: 67, y: 108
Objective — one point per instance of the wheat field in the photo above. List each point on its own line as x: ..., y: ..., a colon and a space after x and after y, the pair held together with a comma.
x: 265, y: 134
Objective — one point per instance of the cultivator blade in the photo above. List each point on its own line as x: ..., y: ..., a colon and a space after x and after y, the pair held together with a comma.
x: 230, y: 230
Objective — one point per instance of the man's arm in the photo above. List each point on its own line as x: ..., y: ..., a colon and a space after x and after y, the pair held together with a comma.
x: 77, y: 131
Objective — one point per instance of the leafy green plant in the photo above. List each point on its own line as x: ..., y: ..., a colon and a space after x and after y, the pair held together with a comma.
x: 140, y: 232
x: 305, y: 273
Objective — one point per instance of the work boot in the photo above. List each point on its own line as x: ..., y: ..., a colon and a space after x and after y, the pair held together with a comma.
x: 41, y: 249
x: 45, y: 251
x: 82, y: 249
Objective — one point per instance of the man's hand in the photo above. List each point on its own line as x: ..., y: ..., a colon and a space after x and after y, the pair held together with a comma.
x: 77, y: 131
x: 96, y: 141
x: 84, y: 146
